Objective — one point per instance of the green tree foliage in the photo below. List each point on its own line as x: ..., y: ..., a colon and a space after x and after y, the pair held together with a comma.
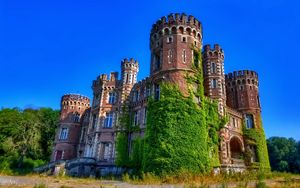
x: 24, y: 137
x: 284, y: 154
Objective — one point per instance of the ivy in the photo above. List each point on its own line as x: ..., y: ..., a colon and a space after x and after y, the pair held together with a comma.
x: 176, y: 134
x: 257, y: 137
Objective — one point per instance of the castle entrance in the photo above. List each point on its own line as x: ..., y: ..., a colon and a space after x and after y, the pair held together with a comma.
x: 236, y: 150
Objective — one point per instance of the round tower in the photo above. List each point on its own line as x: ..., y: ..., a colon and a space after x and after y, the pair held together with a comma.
x: 214, y: 77
x: 242, y: 94
x: 73, y: 106
x: 172, y: 41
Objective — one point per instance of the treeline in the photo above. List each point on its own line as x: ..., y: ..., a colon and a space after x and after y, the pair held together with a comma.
x: 26, y: 138
x: 284, y: 154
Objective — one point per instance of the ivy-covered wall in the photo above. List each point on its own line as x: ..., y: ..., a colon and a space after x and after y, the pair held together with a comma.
x: 257, y: 138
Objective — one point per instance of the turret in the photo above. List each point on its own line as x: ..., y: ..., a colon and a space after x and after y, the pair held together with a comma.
x: 214, y: 79
x: 73, y: 106
x: 242, y: 94
x: 172, y: 41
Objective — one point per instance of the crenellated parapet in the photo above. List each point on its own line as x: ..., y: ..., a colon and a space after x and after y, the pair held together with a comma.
x: 74, y: 102
x: 215, y: 52
x: 242, y: 77
x: 181, y: 22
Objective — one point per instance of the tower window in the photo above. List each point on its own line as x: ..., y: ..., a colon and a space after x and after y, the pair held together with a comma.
x: 213, y: 67
x: 214, y: 83
x: 157, y: 92
x: 184, y: 56
x: 183, y: 39
x: 249, y: 121
x: 111, y: 97
x: 170, y: 56
x: 169, y: 39
x: 157, y: 62
x: 108, y: 120
x: 64, y: 134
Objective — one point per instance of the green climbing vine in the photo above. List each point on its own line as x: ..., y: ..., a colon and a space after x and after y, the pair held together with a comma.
x: 257, y: 138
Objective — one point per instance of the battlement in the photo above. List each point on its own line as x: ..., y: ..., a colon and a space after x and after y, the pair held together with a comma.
x: 74, y: 97
x: 176, y: 19
x: 210, y: 52
x: 129, y: 63
x: 241, y: 74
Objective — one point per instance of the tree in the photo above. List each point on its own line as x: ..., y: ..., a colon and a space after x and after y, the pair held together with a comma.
x: 283, y: 154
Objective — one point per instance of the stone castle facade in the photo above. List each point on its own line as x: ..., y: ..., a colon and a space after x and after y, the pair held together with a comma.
x: 88, y: 129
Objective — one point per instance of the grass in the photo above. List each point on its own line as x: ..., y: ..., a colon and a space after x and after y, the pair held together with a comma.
x: 240, y: 180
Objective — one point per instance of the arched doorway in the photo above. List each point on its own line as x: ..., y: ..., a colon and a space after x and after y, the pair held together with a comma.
x: 236, y: 148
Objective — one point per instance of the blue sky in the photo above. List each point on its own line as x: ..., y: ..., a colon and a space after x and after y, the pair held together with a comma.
x: 49, y: 48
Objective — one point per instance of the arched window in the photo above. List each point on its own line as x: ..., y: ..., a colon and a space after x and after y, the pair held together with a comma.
x: 64, y: 134
x: 213, y: 67
x: 108, y: 122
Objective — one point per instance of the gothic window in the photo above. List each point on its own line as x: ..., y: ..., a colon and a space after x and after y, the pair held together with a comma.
x: 183, y: 56
x: 213, y: 83
x: 249, y: 121
x: 157, y: 92
x: 170, y: 56
x: 169, y: 39
x: 183, y: 39
x: 213, y: 67
x: 108, y: 122
x: 111, y: 98
x: 64, y: 134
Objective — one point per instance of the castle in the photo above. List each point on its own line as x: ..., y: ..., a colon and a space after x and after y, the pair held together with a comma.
x: 88, y: 129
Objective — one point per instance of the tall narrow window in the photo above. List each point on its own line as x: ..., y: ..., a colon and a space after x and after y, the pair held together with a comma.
x: 213, y: 67
x: 127, y: 78
x: 145, y: 115
x: 157, y: 62
x: 108, y: 122
x: 94, y: 121
x: 136, y: 118
x: 183, y: 56
x: 157, y: 92
x: 64, y: 134
x: 249, y: 121
x: 170, y: 56
x: 213, y: 83
x: 107, y: 151
x: 111, y: 97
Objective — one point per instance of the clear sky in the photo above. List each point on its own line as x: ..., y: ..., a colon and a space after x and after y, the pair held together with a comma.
x: 49, y: 48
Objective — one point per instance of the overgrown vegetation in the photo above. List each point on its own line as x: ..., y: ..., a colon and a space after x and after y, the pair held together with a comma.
x: 26, y: 138
x: 257, y: 137
x: 181, y: 134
